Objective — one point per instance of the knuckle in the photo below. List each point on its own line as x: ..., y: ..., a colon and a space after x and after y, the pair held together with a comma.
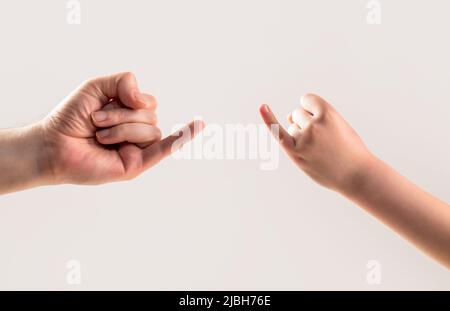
x: 155, y: 118
x: 293, y: 130
x: 313, y: 100
x: 90, y: 83
x: 307, y: 126
x: 157, y: 132
x: 150, y: 117
x: 296, y: 115
x: 118, y: 132
x: 320, y: 116
x: 310, y: 97
x: 154, y: 101
x: 105, y: 119
x: 92, y: 86
x: 127, y: 75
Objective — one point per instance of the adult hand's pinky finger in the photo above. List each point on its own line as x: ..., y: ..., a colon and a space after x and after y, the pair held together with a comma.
x: 165, y: 147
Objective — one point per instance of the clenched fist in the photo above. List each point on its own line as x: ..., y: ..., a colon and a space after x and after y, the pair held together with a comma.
x: 105, y: 131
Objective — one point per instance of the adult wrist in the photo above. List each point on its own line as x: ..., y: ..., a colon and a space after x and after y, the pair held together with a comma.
x: 24, y: 162
x: 36, y: 154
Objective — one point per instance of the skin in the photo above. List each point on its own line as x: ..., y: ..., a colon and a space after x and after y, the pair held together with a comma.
x: 105, y: 131
x: 326, y: 148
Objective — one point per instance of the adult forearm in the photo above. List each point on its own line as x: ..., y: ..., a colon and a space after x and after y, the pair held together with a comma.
x: 22, y: 159
x: 412, y: 212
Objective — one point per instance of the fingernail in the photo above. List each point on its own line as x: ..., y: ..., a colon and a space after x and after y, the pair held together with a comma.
x: 199, y: 123
x: 289, y: 117
x: 100, y: 116
x: 141, y: 99
x: 103, y: 133
x: 266, y: 108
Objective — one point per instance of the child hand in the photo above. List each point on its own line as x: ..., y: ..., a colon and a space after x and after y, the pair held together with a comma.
x: 322, y: 143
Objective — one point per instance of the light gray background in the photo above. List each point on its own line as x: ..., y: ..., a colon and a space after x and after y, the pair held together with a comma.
x: 210, y: 225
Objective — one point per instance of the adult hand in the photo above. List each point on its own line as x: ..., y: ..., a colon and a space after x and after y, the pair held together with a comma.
x: 105, y: 131
x: 72, y: 138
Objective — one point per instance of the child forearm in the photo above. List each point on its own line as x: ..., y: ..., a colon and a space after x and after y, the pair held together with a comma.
x: 410, y: 211
x: 329, y: 150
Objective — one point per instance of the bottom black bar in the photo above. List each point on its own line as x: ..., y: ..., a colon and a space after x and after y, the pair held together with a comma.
x: 223, y: 300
